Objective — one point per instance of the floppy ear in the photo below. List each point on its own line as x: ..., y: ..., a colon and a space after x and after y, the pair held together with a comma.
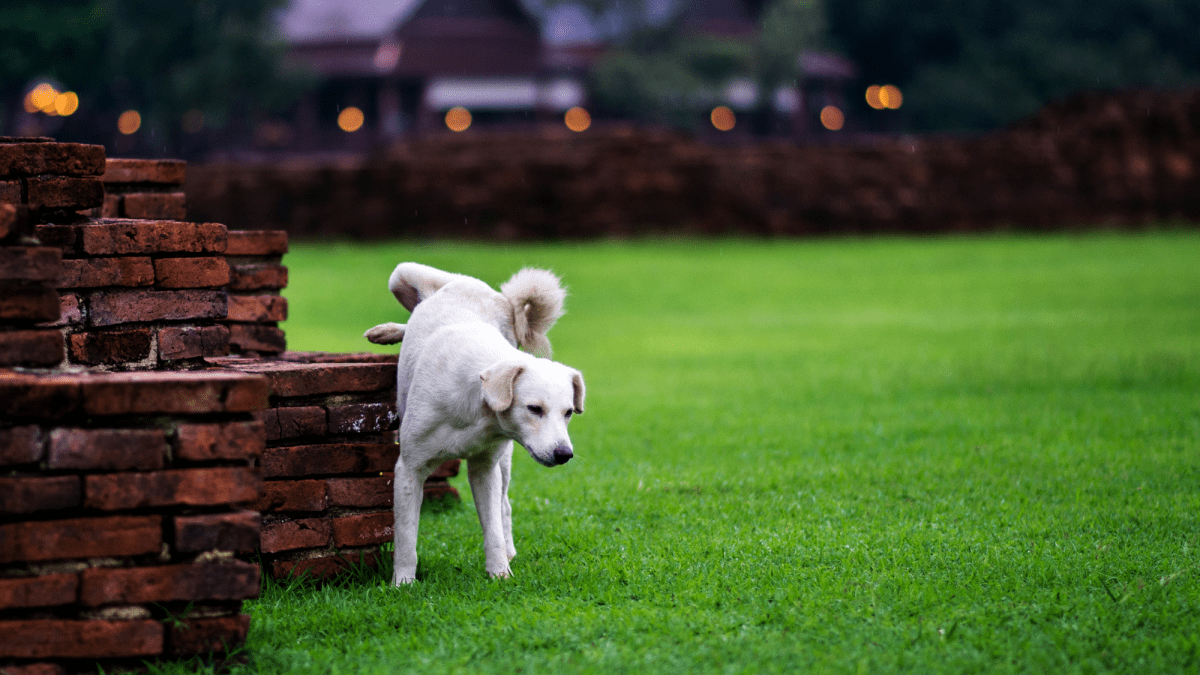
x: 497, y: 384
x: 577, y: 383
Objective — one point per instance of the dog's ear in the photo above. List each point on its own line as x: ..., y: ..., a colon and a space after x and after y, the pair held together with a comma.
x: 497, y: 384
x: 580, y: 391
x: 412, y: 282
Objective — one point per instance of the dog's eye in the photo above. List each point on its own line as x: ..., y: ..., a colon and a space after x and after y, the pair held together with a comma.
x: 536, y: 410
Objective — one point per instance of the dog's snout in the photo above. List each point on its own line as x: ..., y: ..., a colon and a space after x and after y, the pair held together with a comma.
x: 562, y: 454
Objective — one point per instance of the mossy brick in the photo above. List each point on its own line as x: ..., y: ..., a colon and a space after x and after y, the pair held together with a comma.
x: 211, y: 486
x: 145, y: 171
x: 110, y: 347
x: 107, y: 449
x: 98, y: 272
x: 293, y: 422
x: 288, y: 379
x: 260, y: 243
x: 186, y: 392
x: 290, y: 535
x: 189, y: 342
x: 109, y: 308
x: 257, y: 308
x: 208, y: 635
x: 21, y: 444
x: 360, y: 418
x: 47, y: 397
x: 76, y: 538
x: 233, y: 580
x: 65, y: 159
x: 362, y: 529
x: 155, y: 205
x: 48, y: 590
x: 237, y: 531
x: 323, y: 567
x: 122, y: 236
x: 360, y: 492
x: 208, y: 441
x: 206, y: 272
x: 36, y: 494
x: 293, y: 496
x: 71, y: 639
x: 59, y: 192
x: 329, y: 459
x: 257, y: 338
x: 257, y: 276
x: 31, y: 347
x: 30, y: 263
x: 20, y: 303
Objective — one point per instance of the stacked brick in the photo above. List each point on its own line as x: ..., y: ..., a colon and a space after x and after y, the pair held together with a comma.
x: 256, y: 277
x: 124, y: 532
x: 145, y: 189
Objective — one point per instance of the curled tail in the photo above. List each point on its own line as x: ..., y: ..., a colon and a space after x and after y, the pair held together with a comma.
x: 537, y: 298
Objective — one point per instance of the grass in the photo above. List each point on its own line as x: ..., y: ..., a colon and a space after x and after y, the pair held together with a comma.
x: 879, y: 455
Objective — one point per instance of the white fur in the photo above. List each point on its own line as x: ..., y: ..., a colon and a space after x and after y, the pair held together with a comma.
x: 464, y: 391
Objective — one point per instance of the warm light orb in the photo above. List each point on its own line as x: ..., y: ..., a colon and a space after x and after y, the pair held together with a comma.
x: 723, y: 118
x: 577, y: 119
x: 874, y: 98
x: 832, y: 118
x: 66, y: 103
x: 193, y: 121
x: 890, y: 96
x: 458, y: 119
x: 42, y: 98
x: 351, y: 119
x: 129, y: 122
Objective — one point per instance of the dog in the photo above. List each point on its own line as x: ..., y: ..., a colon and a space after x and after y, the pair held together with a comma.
x: 465, y: 391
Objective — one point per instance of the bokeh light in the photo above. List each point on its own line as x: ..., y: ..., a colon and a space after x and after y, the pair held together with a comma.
x: 351, y: 119
x: 193, y: 121
x: 723, y: 118
x: 42, y: 98
x: 873, y: 98
x: 66, y: 103
x: 832, y: 118
x: 458, y: 119
x: 129, y: 122
x: 578, y: 119
x: 890, y: 96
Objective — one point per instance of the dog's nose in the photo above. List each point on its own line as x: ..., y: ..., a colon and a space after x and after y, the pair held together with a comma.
x: 562, y: 454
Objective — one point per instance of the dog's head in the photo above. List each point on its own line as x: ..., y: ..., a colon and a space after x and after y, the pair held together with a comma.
x: 534, y: 400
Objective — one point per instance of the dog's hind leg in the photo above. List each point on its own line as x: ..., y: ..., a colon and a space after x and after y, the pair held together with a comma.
x: 505, y: 504
x: 407, y: 494
x: 484, y: 474
x: 385, y: 333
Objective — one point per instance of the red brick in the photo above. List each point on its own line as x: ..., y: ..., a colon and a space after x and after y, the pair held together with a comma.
x: 15, y: 222
x: 256, y: 338
x: 208, y: 272
x: 257, y: 308
x: 292, y: 422
x: 325, y: 567
x: 329, y: 459
x: 32, y: 494
x: 237, y: 531
x: 257, y: 243
x: 189, y: 342
x: 223, y: 440
x: 293, y: 534
x: 107, y: 347
x: 111, y: 208
x: 69, y: 311
x: 257, y: 277
x: 21, y: 445
x: 108, y: 308
x: 196, y: 391
x: 43, y: 668
x: 447, y: 469
x: 68, y: 159
x: 107, y: 449
x: 190, y: 487
x: 28, y: 302
x: 42, y: 396
x: 233, y: 580
x: 96, y: 272
x: 204, y: 636
x: 113, y: 536
x: 63, y: 237
x: 58, y: 192
x: 145, y: 171
x: 44, y: 591
x: 31, y: 347
x: 30, y: 263
x: 133, y: 237
x: 363, y: 529
x: 156, y: 205
x: 437, y: 489
x: 10, y: 195
x: 60, y: 638
x: 292, y: 495
x: 360, y: 418
x: 306, y: 379
x: 362, y: 492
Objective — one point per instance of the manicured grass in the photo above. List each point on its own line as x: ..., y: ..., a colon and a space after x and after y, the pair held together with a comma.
x: 881, y: 455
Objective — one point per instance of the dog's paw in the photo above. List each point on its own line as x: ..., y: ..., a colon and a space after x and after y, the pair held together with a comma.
x: 385, y: 333
x: 505, y: 573
x: 400, y: 582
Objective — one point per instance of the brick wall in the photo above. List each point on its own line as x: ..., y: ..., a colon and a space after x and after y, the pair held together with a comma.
x: 256, y: 277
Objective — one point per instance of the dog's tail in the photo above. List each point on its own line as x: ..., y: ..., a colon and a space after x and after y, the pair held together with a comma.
x: 413, y: 282
x: 537, y: 298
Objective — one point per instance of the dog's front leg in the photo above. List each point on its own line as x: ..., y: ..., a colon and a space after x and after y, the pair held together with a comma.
x: 486, y: 487
x: 505, y: 504
x: 407, y: 495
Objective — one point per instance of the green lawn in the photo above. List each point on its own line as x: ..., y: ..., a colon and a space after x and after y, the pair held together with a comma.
x: 845, y: 455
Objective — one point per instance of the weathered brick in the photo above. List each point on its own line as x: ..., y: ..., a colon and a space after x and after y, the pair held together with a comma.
x: 207, y: 272
x: 325, y: 567
x: 61, y: 638
x: 256, y: 338
x: 189, y: 487
x: 259, y: 276
x: 237, y: 531
x: 106, y: 347
x: 145, y: 171
x: 437, y: 489
x: 359, y: 418
x: 43, y: 396
x: 364, y: 492
x: 306, y: 379
x: 257, y: 243
x: 10, y: 194
x: 133, y: 237
x: 33, y: 494
x: 292, y: 495
x: 70, y: 312
x: 257, y: 308
x: 107, y: 449
x: 67, y: 159
x: 363, y: 529
x: 28, y: 303
x: 111, y: 208
x: 189, y: 342
x: 113, y: 536
x: 233, y: 580
x: 96, y: 272
x: 43, y: 591
x: 300, y: 421
x: 21, y: 445
x: 197, y: 391
x: 42, y: 668
x: 329, y: 459
x: 293, y: 534
x: 204, y: 636
x: 30, y: 263
x: 108, y: 308
x: 31, y: 347
x: 156, y: 205
x: 63, y: 237
x: 59, y: 192
x: 219, y: 440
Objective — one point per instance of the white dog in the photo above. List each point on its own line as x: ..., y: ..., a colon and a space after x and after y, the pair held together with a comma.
x: 464, y: 391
